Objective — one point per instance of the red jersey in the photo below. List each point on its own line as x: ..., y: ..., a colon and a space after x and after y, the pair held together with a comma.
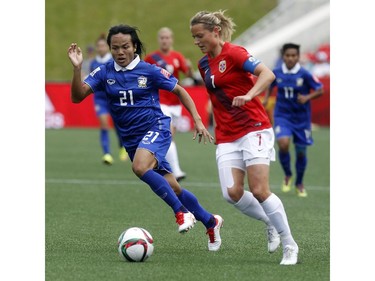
x: 174, y: 63
x: 225, y: 79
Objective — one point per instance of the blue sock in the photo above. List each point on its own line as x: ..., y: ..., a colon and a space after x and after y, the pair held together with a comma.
x: 161, y: 187
x: 104, y: 140
x: 191, y: 203
x: 285, y: 162
x: 301, y: 163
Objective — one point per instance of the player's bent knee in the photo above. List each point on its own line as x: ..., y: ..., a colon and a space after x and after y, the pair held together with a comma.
x: 235, y: 193
x: 260, y: 193
x: 139, y: 169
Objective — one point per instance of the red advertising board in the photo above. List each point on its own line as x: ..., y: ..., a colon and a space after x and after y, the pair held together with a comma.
x: 61, y: 112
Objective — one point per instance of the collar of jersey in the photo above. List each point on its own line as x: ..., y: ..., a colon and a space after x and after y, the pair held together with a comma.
x: 103, y: 59
x: 130, y: 66
x: 294, y: 70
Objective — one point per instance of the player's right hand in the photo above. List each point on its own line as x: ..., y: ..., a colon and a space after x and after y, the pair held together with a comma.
x: 75, y: 55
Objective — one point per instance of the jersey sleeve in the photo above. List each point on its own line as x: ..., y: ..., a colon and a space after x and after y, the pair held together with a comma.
x: 312, y: 81
x: 93, y: 80
x: 163, y: 79
x: 244, y: 60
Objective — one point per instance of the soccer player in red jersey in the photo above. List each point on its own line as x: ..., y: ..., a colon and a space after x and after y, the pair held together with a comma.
x: 243, y: 131
x: 175, y: 63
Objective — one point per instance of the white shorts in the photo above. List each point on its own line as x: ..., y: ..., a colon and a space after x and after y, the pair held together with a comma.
x: 173, y: 111
x: 251, y: 149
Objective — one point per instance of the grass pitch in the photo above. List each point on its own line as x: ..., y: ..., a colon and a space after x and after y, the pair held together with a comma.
x: 88, y: 205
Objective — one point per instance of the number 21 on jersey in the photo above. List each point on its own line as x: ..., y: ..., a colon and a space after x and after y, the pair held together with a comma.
x: 127, y: 98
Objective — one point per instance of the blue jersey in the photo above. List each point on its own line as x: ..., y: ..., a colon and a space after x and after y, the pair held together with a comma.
x: 133, y: 97
x: 100, y: 96
x: 289, y: 84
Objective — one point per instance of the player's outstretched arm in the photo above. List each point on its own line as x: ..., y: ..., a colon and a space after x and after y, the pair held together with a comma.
x: 265, y: 78
x: 188, y: 103
x: 79, y: 91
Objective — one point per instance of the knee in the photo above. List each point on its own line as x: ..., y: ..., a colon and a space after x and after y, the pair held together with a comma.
x: 260, y: 193
x: 139, y: 169
x: 301, y: 151
x: 283, y: 145
x: 233, y: 194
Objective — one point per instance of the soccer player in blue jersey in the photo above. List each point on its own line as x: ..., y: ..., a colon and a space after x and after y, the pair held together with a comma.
x: 132, y: 89
x: 292, y: 116
x: 103, y: 56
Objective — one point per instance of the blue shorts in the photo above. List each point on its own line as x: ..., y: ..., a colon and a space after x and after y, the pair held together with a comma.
x: 101, y: 104
x: 301, y: 132
x: 157, y: 140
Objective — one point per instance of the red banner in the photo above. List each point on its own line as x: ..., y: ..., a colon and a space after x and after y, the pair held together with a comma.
x: 61, y: 112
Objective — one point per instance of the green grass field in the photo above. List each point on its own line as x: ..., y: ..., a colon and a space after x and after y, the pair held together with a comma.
x: 82, y: 21
x: 88, y: 205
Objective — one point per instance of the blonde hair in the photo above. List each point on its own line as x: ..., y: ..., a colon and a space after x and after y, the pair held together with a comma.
x: 165, y: 29
x: 212, y: 19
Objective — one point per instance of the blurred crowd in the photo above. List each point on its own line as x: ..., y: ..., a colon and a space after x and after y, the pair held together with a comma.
x: 316, y: 61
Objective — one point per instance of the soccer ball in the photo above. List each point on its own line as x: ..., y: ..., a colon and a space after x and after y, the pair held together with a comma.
x: 135, y: 244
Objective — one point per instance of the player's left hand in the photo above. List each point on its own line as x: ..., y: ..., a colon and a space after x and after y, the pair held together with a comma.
x: 201, y: 132
x: 240, y: 100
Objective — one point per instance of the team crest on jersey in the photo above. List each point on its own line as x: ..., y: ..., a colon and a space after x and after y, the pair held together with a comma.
x: 142, y: 82
x: 299, y: 82
x: 111, y: 81
x: 222, y: 66
x: 279, y: 80
x: 165, y: 73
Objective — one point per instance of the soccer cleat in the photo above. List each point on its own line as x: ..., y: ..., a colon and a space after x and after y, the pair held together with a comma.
x: 123, y: 155
x: 273, y: 238
x: 107, y: 159
x: 287, y: 184
x: 185, y: 221
x: 301, y: 192
x: 290, y: 255
x: 180, y: 176
x: 214, y: 239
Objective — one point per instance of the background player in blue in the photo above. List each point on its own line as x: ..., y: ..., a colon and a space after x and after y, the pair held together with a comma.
x: 292, y: 116
x: 103, y: 56
x: 132, y: 89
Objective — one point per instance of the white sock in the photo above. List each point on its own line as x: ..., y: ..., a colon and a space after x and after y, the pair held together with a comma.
x: 172, y: 158
x: 250, y: 206
x: 274, y: 209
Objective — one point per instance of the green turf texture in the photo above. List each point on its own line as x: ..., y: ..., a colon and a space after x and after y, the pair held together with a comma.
x: 88, y: 205
x: 82, y: 21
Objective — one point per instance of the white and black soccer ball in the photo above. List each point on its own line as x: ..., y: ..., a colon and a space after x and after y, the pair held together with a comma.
x: 135, y: 244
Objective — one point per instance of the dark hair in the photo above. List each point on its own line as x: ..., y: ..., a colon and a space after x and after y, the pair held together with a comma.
x: 289, y: 46
x: 101, y: 37
x: 126, y: 29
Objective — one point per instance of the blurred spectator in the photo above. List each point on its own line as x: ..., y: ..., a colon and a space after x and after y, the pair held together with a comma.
x: 321, y: 67
x: 90, y: 55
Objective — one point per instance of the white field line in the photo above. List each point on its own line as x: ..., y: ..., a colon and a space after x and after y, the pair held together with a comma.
x: 139, y: 182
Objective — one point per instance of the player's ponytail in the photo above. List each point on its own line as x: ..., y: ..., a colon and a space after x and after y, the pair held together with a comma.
x: 210, y: 20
